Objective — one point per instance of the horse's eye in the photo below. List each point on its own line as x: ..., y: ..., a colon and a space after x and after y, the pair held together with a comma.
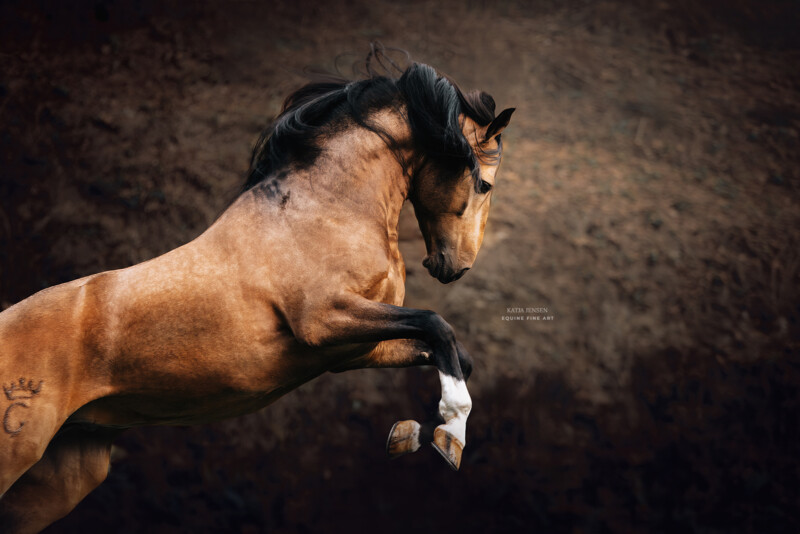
x: 484, y: 187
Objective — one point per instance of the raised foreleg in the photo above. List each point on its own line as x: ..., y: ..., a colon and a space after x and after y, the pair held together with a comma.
x: 352, y: 319
x: 76, y: 461
x: 404, y: 353
x: 406, y: 436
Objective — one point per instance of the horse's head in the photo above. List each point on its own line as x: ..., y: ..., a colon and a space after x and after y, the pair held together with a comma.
x: 452, y: 211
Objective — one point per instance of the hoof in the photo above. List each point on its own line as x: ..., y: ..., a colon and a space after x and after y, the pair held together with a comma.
x: 403, y: 439
x: 448, y: 446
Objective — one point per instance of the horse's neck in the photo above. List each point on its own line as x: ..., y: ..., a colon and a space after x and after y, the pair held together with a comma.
x: 356, y: 178
x: 359, y: 174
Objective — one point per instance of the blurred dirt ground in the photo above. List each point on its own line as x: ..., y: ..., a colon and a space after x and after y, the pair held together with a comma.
x: 648, y: 199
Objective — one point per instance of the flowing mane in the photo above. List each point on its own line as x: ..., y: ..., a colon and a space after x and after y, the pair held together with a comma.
x: 432, y: 104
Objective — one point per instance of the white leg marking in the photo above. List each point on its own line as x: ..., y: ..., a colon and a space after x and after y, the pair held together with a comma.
x: 455, y: 406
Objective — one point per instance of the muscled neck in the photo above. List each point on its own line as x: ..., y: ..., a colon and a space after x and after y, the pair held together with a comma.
x: 358, y: 172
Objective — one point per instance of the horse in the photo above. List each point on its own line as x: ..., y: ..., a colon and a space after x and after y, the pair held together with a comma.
x: 299, y: 276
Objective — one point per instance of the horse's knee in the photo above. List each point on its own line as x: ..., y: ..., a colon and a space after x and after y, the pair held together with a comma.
x: 70, y: 484
x: 74, y: 491
x: 97, y: 471
x: 74, y: 464
x: 82, y: 461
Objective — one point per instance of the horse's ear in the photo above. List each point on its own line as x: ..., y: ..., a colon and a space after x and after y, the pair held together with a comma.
x: 498, y: 124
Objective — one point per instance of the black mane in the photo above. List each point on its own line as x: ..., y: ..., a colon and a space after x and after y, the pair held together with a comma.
x: 433, y: 104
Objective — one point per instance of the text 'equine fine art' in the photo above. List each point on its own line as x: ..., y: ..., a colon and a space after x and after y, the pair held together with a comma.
x: 301, y: 275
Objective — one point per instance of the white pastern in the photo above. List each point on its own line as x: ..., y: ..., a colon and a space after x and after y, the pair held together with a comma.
x: 455, y: 406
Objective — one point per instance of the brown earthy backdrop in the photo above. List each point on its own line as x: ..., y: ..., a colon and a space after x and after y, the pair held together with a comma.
x: 649, y: 199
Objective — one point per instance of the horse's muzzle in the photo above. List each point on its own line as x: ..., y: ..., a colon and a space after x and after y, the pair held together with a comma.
x: 441, y: 270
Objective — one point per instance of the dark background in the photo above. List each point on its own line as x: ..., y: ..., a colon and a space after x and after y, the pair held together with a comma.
x: 648, y: 198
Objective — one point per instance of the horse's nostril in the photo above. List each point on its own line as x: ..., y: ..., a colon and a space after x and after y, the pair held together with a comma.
x: 426, y: 262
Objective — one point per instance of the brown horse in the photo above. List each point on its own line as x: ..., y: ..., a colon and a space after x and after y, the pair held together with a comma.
x: 299, y: 276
